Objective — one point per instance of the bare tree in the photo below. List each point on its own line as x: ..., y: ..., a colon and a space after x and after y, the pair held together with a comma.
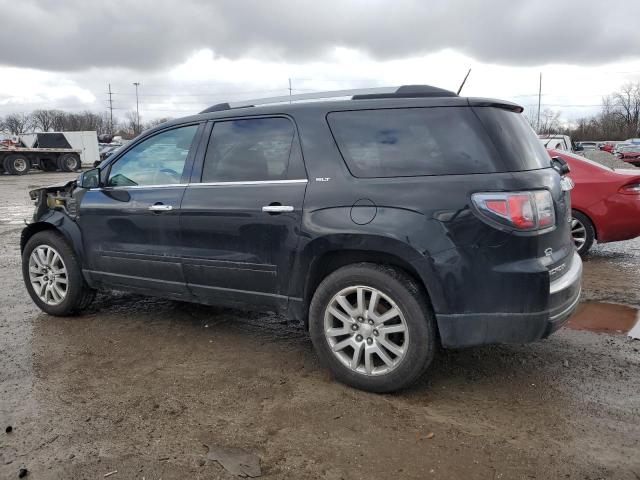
x: 17, y: 123
x: 155, y: 122
x: 626, y: 103
x: 131, y: 122
x: 43, y: 119
x: 69, y: 122
x: 619, y: 117
x: 58, y: 120
x: 549, y: 121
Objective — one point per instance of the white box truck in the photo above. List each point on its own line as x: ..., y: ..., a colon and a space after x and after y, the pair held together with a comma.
x: 49, y: 151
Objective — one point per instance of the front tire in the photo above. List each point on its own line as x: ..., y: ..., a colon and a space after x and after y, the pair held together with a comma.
x: 52, y: 275
x: 371, y: 326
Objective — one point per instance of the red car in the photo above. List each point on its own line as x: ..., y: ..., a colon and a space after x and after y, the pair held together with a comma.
x: 631, y: 155
x: 608, y: 147
x: 605, y: 202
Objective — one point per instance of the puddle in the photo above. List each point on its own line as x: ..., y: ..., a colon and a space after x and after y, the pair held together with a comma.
x: 604, y: 318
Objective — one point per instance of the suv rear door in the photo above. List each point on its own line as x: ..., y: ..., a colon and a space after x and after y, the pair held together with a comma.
x: 241, y: 213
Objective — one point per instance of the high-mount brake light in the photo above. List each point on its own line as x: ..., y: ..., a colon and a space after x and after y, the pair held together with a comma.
x: 522, y: 211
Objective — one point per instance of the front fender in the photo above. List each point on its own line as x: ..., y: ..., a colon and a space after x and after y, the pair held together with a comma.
x: 60, y: 222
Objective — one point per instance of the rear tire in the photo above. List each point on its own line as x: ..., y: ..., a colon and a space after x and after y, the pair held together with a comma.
x: 582, y: 232
x: 407, y: 339
x: 17, y: 164
x: 69, y: 162
x: 52, y: 275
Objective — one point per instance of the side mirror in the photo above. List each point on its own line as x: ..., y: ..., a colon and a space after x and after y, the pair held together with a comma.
x: 561, y: 165
x: 579, y: 148
x: 89, y: 179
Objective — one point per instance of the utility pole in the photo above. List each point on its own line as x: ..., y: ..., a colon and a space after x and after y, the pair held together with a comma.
x: 290, y: 91
x: 539, y: 100
x: 137, y: 84
x: 110, y: 112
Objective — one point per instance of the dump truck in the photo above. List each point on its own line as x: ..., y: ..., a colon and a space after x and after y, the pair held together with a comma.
x: 49, y: 151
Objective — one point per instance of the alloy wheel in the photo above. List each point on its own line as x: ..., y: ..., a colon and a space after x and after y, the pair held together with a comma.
x: 48, y: 275
x: 578, y: 232
x: 366, y: 330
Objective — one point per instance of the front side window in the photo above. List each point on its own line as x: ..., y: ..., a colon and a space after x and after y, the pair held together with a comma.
x: 255, y: 149
x: 159, y: 160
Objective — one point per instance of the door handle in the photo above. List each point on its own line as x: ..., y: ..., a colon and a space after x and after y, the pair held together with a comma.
x: 277, y: 208
x: 160, y: 208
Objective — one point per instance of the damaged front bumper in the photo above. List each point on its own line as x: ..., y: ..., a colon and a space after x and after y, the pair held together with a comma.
x: 54, y: 197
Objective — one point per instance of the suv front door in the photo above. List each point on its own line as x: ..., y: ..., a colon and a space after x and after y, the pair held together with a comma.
x: 241, y: 213
x: 130, y: 226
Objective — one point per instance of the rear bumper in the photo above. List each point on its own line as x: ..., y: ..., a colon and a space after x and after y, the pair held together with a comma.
x: 470, y: 329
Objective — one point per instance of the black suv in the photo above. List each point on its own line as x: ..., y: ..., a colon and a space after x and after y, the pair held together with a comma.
x: 388, y: 222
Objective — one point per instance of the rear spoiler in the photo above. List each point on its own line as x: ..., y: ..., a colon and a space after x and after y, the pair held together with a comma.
x: 490, y: 102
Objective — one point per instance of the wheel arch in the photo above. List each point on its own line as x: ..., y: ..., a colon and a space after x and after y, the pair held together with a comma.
x: 60, y: 223
x: 330, y: 255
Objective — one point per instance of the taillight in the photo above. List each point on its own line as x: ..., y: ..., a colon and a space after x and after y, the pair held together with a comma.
x: 523, y: 211
x: 631, y: 189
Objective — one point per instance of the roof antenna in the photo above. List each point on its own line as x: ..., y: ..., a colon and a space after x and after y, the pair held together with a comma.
x: 463, y: 82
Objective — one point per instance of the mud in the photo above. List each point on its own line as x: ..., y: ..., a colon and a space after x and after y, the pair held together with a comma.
x: 604, y: 318
x: 141, y: 385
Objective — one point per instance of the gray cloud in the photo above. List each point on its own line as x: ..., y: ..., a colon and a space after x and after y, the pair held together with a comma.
x: 67, y: 35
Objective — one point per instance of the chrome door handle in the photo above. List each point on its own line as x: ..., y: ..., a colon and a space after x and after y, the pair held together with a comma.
x: 277, y: 208
x: 160, y: 208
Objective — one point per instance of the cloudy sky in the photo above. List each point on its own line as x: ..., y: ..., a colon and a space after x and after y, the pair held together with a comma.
x: 189, y: 54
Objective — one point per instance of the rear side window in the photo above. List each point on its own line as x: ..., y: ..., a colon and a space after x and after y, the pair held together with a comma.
x: 413, y: 141
x: 516, y: 141
x: 249, y: 150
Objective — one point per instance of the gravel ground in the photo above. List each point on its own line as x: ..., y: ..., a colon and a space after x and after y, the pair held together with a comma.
x: 140, y: 385
x: 607, y: 159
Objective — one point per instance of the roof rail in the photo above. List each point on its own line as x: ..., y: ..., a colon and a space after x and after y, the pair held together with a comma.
x: 405, y: 91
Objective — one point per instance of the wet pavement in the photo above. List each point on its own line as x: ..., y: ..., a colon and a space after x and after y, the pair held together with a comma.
x: 140, y: 386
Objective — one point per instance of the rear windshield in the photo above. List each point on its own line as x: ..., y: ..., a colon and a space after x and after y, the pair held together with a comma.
x: 516, y: 141
x: 414, y: 141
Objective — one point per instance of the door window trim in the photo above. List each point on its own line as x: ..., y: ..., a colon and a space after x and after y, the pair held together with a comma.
x: 206, y: 184
x: 249, y: 183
